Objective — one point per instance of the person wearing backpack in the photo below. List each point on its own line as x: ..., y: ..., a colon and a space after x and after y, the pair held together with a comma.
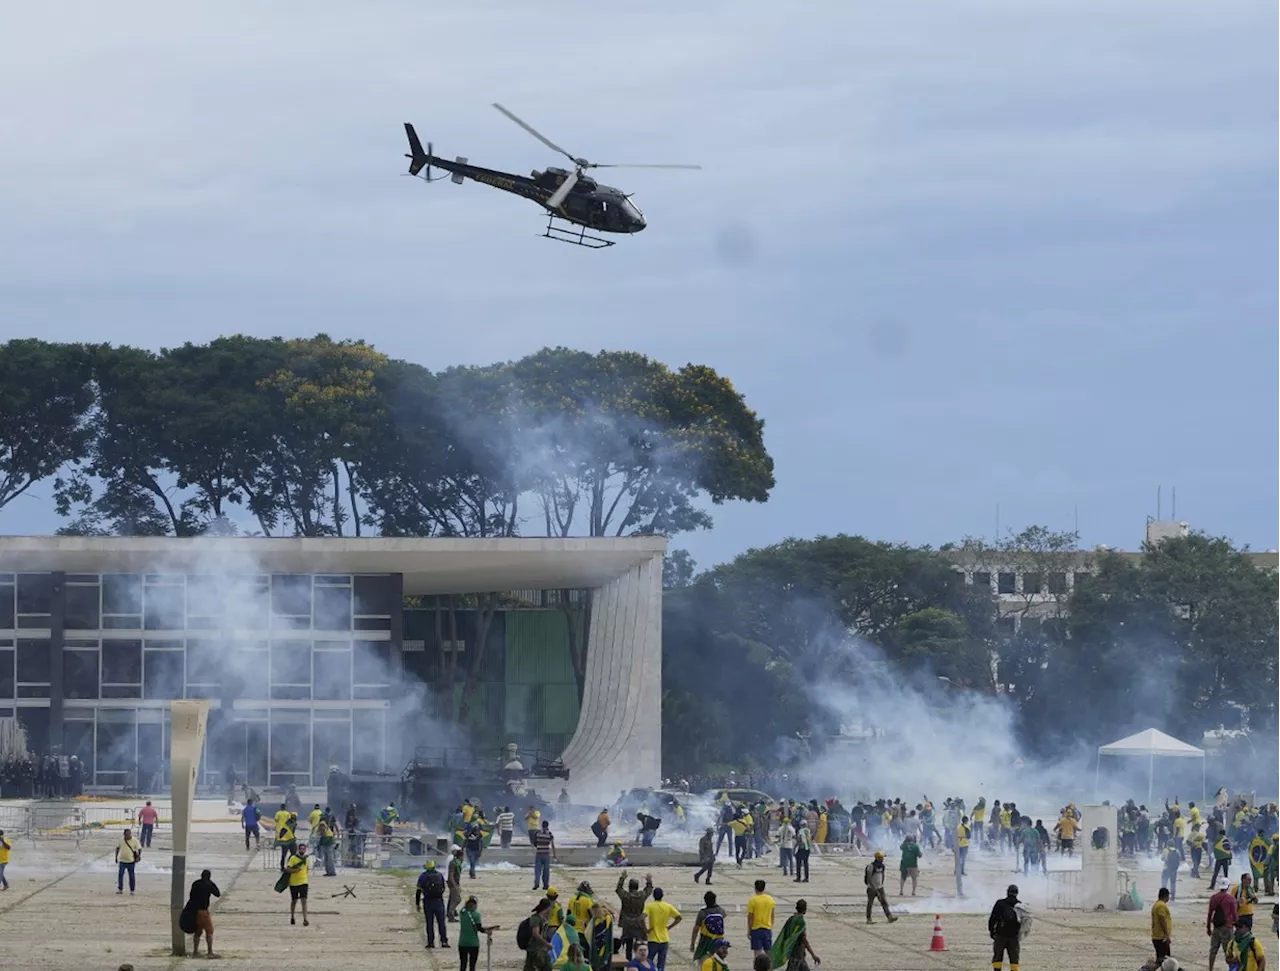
x: 1219, y: 923
x: 1005, y: 927
x: 429, y: 898
x: 531, y: 937
x: 873, y: 877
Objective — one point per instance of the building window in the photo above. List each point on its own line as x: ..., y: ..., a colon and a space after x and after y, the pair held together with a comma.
x: 80, y: 674
x: 164, y: 606
x: 331, y: 673
x: 982, y: 580
x: 8, y: 609
x: 332, y: 607
x: 121, y: 663
x: 122, y: 594
x: 1057, y: 583
x: 35, y: 594
x: 7, y: 677
x: 34, y: 662
x: 1006, y: 583
x: 82, y: 607
x: 163, y: 674
x: 1031, y: 583
x: 290, y: 598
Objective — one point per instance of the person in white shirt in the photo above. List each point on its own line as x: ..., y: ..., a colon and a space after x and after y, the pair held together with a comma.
x: 128, y: 853
x: 786, y: 844
x: 506, y: 826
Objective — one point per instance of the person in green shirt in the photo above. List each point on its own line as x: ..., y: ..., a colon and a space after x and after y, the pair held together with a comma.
x: 909, y: 865
x: 470, y: 927
x: 576, y: 960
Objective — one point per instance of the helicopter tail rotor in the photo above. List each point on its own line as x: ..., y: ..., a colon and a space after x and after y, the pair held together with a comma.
x: 418, y: 159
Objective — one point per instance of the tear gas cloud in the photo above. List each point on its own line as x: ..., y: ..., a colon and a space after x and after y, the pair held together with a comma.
x: 250, y: 637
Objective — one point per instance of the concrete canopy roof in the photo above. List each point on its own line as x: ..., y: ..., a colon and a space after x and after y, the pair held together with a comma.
x: 428, y: 565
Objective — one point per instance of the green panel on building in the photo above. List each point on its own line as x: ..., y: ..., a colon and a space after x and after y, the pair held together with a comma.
x: 541, y: 703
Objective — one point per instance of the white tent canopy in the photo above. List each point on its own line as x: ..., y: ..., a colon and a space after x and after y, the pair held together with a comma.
x: 1151, y: 744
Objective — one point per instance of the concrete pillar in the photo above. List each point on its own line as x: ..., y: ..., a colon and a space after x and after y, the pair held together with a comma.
x: 1099, y: 868
x: 188, y: 722
x: 57, y: 638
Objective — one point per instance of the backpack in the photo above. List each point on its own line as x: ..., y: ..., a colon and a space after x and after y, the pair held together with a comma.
x: 524, y: 933
x: 1009, y: 923
x: 1219, y: 916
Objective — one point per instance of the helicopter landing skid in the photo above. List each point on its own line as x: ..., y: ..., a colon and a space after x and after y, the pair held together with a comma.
x: 577, y: 235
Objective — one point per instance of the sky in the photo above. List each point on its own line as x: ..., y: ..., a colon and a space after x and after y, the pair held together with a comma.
x: 961, y: 255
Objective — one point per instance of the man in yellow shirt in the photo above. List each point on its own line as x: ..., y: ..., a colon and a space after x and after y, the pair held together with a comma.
x: 532, y: 822
x: 1162, y: 926
x: 296, y: 867
x: 128, y: 853
x: 760, y: 920
x: 962, y: 843
x: 1067, y: 834
x: 5, y: 847
x: 660, y: 916
x: 1246, y: 896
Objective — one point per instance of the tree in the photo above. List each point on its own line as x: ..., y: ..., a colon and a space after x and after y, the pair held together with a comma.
x: 46, y: 396
x: 678, y: 569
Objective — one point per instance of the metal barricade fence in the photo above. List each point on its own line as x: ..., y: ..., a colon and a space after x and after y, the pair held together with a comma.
x: 15, y: 821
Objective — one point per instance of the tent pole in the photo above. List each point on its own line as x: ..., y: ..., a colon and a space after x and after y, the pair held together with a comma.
x: 1204, y: 790
x: 1151, y: 777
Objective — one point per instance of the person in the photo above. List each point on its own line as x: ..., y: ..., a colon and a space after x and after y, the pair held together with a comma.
x: 128, y: 853
x: 1169, y: 876
x: 708, y: 928
x: 475, y: 846
x: 296, y: 866
x: 1258, y: 853
x: 873, y: 877
x: 1221, y: 858
x: 1195, y: 844
x: 1246, y: 895
x: 706, y: 857
x: 5, y: 848
x: 760, y: 909
x: 575, y: 959
x: 1005, y: 927
x: 641, y: 961
x: 385, y: 824
x: 804, y: 846
x: 1245, y: 952
x: 661, y: 917
x: 250, y: 818
x: 718, y: 958
x: 601, y: 827
x: 544, y: 852
x: 555, y: 917
x: 617, y: 856
x: 537, y: 956
x: 962, y: 841
x: 909, y: 865
x: 648, y: 829
x: 631, y: 912
x: 453, y: 880
x: 580, y: 905
x: 202, y: 892
x: 429, y: 898
x: 470, y: 926
x: 1067, y: 826
x: 1220, y: 920
x: 506, y: 821
x: 532, y: 821
x: 326, y: 841
x: 786, y: 847
x: 147, y: 816
x: 286, y: 835
x: 600, y: 940
x: 793, y: 943
x: 1162, y: 925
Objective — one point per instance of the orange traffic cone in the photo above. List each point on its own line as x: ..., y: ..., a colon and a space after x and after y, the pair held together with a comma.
x: 938, y: 943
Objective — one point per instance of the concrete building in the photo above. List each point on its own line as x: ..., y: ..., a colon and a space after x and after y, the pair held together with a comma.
x: 319, y: 652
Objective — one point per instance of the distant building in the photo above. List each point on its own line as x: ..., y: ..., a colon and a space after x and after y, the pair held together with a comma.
x: 313, y: 656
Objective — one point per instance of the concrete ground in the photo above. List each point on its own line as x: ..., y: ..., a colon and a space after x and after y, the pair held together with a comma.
x: 62, y: 913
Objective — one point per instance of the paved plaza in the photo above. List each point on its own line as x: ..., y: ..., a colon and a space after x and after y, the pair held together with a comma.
x: 62, y: 913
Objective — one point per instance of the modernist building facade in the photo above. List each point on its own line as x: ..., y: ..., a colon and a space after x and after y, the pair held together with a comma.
x: 320, y: 652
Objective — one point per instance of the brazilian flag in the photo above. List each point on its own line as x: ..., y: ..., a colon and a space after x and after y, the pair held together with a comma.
x: 486, y: 835
x: 788, y: 940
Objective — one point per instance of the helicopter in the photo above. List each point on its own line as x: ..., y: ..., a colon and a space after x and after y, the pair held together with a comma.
x: 571, y: 197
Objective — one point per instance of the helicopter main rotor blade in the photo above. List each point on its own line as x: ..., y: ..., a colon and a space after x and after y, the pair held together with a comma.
x: 562, y: 192
x: 535, y: 133
x: 628, y: 165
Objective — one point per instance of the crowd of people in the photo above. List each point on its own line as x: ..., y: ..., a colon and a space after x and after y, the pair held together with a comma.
x: 41, y: 777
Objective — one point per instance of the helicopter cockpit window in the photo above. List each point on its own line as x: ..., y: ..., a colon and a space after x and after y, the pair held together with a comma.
x: 630, y: 208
